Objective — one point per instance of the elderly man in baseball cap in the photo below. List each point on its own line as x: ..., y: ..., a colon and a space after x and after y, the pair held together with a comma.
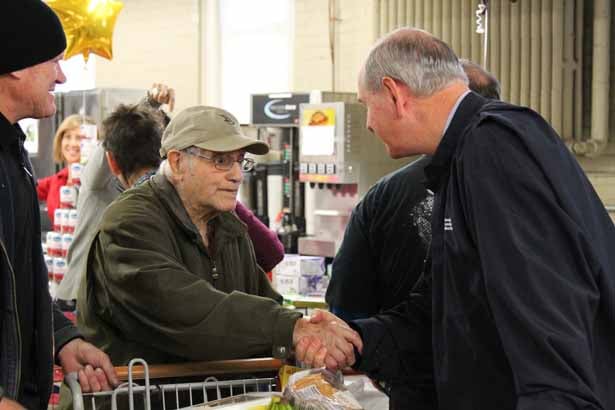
x: 32, y: 45
x: 172, y: 274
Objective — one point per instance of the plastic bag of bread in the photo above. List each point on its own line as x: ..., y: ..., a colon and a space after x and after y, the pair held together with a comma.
x: 319, y: 389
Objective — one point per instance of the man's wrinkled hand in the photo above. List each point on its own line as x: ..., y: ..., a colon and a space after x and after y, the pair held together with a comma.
x: 325, y: 340
x: 162, y: 94
x: 94, y: 369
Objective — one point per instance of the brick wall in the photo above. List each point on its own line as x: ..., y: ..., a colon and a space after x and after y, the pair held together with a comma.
x: 155, y: 41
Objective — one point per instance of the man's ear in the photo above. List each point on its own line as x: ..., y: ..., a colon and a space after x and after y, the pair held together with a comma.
x: 113, y: 166
x: 397, y: 93
x: 174, y: 159
x: 19, y: 74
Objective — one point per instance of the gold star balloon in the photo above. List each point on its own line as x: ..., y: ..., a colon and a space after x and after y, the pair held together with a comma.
x: 88, y: 25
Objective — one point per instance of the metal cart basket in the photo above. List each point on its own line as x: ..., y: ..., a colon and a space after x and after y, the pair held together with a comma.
x: 165, y: 386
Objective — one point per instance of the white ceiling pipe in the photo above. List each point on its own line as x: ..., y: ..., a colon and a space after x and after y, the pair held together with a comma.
x: 600, y: 82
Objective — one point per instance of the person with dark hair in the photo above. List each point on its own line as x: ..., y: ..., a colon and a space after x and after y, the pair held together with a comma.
x: 33, y: 331
x: 132, y: 140
x: 517, y: 311
x: 99, y: 187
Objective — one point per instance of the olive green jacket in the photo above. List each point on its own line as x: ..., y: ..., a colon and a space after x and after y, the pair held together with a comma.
x: 153, y: 290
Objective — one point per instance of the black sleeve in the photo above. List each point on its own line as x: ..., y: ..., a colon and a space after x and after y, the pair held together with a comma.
x: 397, y: 343
x: 63, y: 330
x: 354, y: 272
x: 538, y: 280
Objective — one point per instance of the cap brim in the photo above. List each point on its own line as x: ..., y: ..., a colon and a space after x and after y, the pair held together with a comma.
x: 234, y: 143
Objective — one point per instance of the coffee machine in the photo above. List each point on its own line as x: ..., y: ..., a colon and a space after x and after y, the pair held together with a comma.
x: 339, y: 160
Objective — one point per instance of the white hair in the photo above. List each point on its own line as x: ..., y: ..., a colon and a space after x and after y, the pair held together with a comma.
x: 414, y: 57
x: 165, y: 169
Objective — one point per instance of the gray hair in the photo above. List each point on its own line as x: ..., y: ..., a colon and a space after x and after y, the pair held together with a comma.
x: 414, y: 57
x: 165, y: 169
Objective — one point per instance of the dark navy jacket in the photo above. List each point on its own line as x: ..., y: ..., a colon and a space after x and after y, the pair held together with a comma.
x: 523, y: 277
x: 47, y: 316
x: 385, y: 245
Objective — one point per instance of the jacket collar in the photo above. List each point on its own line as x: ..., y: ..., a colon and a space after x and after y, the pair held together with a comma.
x: 441, y: 159
x: 12, y: 136
x: 226, y: 224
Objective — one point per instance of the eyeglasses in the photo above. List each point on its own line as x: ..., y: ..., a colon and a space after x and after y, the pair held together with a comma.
x: 225, y: 162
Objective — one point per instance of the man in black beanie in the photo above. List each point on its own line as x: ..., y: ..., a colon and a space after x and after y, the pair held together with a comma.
x: 33, y: 332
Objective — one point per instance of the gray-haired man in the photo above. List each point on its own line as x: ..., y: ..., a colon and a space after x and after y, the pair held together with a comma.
x: 518, y: 309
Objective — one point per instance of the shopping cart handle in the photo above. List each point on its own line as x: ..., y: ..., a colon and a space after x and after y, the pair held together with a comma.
x: 72, y: 381
x: 212, y: 368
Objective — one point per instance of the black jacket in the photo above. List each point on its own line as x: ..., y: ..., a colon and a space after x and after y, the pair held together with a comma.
x: 523, y: 276
x: 47, y: 316
x: 384, y: 246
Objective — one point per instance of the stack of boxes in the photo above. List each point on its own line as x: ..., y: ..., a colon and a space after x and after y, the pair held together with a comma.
x: 301, y: 275
x: 64, y: 222
x: 56, y: 248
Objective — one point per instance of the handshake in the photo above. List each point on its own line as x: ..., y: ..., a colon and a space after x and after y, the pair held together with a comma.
x: 325, y: 340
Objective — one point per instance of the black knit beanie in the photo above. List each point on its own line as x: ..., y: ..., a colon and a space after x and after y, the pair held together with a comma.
x: 30, y: 34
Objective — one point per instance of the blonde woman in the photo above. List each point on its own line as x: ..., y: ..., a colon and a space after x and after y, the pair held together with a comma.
x: 66, y: 151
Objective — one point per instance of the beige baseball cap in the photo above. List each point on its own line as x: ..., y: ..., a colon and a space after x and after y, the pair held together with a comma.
x: 210, y: 128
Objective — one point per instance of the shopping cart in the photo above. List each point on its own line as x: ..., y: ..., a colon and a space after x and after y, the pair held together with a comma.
x: 164, y: 386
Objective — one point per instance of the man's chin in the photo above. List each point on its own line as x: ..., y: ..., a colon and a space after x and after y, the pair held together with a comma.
x: 230, y: 205
x: 47, y: 111
x: 394, y: 154
x: 225, y: 205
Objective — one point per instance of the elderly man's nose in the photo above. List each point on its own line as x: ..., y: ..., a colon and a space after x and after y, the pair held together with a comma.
x: 235, y: 173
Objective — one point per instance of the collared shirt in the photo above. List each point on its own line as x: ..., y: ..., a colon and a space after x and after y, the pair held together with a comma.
x: 145, y: 177
x: 453, y: 111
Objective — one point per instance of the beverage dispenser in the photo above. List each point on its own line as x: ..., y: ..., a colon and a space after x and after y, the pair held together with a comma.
x: 276, y: 194
x: 339, y: 160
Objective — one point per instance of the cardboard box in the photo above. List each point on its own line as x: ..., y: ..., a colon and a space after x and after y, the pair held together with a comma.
x: 286, y: 284
x: 313, y: 285
x: 300, y: 265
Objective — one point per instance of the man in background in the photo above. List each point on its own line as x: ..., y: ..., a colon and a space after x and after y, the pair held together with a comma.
x: 99, y: 187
